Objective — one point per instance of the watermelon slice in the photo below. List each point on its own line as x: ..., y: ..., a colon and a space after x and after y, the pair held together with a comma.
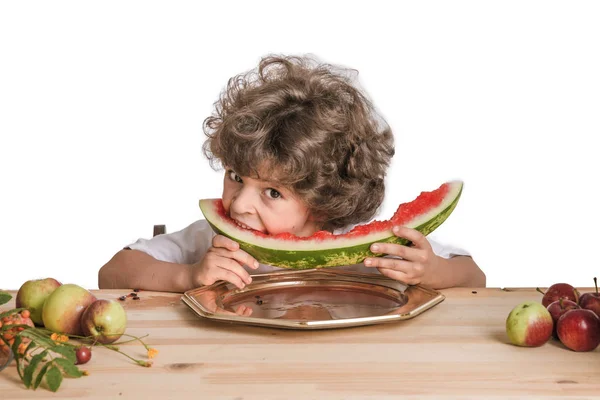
x: 324, y: 249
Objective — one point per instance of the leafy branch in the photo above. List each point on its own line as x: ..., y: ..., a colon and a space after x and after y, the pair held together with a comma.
x: 42, y: 354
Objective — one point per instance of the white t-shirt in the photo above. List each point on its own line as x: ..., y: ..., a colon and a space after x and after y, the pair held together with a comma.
x: 189, y: 245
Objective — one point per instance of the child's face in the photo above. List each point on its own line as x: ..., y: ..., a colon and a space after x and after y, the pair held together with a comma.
x: 266, y: 207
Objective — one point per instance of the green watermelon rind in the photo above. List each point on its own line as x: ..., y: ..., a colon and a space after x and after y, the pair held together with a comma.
x: 335, y: 256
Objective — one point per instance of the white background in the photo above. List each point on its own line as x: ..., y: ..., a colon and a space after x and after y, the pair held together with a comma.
x: 102, y: 103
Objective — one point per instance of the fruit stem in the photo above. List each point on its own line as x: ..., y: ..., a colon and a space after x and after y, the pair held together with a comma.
x: 135, y: 338
x: 596, y: 284
x: 560, y: 302
x: 94, y: 338
x: 115, y: 348
x: 131, y: 340
x: 539, y: 290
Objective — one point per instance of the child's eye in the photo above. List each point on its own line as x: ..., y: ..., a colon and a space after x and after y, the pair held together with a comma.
x: 234, y: 177
x: 274, y: 194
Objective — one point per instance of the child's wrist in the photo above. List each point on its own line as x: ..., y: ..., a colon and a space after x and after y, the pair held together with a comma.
x: 193, y: 276
x: 436, y: 272
x: 185, y: 279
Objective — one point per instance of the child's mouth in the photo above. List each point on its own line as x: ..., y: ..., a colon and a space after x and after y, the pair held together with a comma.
x: 243, y: 226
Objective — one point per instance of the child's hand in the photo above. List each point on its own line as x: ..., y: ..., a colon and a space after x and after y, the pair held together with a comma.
x: 417, y: 264
x: 223, y: 261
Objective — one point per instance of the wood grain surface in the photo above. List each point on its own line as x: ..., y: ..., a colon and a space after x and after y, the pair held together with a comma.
x: 456, y: 350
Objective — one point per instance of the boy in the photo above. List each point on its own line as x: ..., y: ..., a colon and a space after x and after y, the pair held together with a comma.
x: 303, y: 150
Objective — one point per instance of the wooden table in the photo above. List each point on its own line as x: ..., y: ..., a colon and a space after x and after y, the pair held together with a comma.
x: 458, y: 349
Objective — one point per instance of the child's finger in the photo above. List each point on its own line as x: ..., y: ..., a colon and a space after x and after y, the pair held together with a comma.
x: 399, y: 276
x: 398, y: 250
x: 418, y: 239
x: 240, y: 256
x: 390, y: 263
x: 234, y: 267
x: 245, y: 259
x: 225, y: 243
x: 229, y: 276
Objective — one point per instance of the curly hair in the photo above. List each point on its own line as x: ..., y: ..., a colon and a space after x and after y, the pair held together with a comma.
x: 313, y: 131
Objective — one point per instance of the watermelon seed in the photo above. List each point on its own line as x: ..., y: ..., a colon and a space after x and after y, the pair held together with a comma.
x: 474, y: 292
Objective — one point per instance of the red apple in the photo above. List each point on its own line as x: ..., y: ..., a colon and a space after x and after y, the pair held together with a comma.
x: 558, y: 291
x: 591, y: 300
x: 106, y: 320
x: 529, y: 324
x: 579, y: 330
x: 557, y: 309
x: 32, y: 295
x: 63, y: 308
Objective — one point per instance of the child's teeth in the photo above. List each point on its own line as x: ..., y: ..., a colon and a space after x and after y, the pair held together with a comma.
x: 242, y: 225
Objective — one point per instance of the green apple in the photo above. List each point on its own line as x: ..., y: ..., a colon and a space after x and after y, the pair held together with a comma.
x: 64, y: 307
x: 32, y: 295
x: 106, y: 320
x: 529, y: 324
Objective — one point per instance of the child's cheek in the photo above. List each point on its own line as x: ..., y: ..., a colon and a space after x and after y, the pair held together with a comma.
x: 272, y: 227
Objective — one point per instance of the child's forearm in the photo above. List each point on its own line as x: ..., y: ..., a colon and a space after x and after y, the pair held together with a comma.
x: 136, y: 269
x: 459, y: 271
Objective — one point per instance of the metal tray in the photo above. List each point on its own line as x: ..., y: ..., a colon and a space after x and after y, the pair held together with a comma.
x: 312, y: 299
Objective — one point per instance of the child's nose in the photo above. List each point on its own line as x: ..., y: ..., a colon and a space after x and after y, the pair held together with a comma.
x: 243, y: 202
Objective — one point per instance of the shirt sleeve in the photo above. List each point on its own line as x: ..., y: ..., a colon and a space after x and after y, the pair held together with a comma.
x: 446, y: 250
x: 186, y: 246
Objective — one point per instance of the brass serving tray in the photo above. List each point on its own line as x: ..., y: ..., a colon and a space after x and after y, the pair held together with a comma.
x: 312, y: 299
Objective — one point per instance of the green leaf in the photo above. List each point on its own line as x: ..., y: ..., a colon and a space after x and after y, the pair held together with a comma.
x: 69, y: 368
x: 30, y: 369
x: 15, y: 345
x: 39, y: 337
x: 54, y: 378
x: 39, y: 377
x: 31, y: 345
x: 18, y: 356
x: 4, y: 298
x: 20, y: 367
x: 10, y: 312
x: 21, y: 361
x: 68, y: 352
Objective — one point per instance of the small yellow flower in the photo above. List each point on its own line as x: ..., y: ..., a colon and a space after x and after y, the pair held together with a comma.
x: 152, y: 352
x: 58, y: 339
x: 85, y: 372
